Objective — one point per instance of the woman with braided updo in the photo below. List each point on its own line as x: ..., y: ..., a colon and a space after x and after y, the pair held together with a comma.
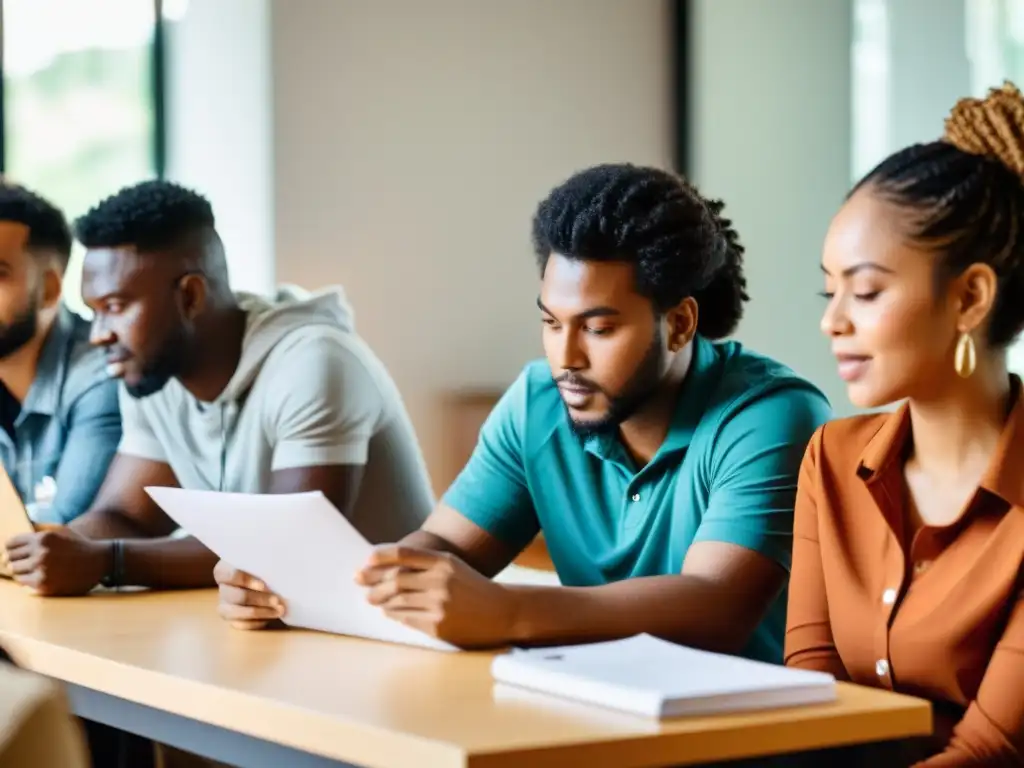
x: 909, y: 529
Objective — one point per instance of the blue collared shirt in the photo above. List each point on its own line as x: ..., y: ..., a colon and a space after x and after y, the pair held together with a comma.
x: 66, y: 431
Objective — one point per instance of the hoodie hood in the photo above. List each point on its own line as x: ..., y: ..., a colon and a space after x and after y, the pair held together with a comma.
x: 270, y: 319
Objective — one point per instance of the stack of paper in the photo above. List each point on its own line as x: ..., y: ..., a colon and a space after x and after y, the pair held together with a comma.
x: 301, y: 547
x: 648, y: 676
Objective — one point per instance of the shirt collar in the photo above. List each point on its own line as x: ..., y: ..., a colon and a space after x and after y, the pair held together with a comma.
x: 44, y: 394
x: 694, y: 396
x: 1003, y: 476
x: 886, y: 447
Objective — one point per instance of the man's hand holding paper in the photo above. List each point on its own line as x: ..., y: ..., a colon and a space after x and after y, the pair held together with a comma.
x: 440, y: 595
x: 246, y: 601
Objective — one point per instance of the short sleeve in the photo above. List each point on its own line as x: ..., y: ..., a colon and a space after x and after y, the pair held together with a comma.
x: 327, y: 405
x: 754, y: 469
x: 137, y: 436
x: 491, y: 491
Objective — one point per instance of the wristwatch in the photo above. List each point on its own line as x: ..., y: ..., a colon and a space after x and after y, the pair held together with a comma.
x: 115, y: 575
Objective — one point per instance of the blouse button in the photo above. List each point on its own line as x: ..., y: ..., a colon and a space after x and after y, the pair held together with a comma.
x: 889, y: 596
x: 921, y: 566
x: 881, y: 667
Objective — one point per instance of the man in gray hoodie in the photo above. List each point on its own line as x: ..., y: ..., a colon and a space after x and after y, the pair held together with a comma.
x: 220, y: 391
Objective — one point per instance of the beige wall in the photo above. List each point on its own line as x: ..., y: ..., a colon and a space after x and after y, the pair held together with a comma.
x: 399, y: 147
x: 412, y: 141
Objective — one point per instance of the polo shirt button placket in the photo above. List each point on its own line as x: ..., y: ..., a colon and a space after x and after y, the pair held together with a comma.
x: 633, y: 510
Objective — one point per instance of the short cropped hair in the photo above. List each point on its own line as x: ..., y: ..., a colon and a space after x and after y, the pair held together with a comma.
x: 48, y: 228
x: 150, y: 216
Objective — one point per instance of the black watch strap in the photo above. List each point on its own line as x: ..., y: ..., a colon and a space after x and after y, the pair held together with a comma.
x: 115, y: 575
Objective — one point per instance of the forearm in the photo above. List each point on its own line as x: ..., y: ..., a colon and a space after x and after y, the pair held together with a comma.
x: 954, y: 757
x: 423, y: 540
x: 823, y: 659
x: 682, y: 608
x: 150, y: 560
x: 945, y: 760
x: 107, y: 523
x: 489, y: 562
x: 974, y: 740
x: 168, y: 563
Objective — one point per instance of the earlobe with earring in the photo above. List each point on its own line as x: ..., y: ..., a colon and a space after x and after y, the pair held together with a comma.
x: 965, y: 359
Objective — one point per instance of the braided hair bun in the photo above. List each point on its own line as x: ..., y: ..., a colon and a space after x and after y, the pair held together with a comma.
x: 965, y: 194
x: 991, y: 127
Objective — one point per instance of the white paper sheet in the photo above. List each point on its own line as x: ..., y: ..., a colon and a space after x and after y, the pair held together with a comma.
x: 302, y: 547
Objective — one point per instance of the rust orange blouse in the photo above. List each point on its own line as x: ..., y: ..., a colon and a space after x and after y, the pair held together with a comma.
x: 939, y: 617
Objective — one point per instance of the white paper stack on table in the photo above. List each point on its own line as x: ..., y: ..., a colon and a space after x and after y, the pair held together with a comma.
x: 301, y: 547
x: 648, y: 676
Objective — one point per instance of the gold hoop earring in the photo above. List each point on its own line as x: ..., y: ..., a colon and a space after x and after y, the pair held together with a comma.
x: 965, y: 360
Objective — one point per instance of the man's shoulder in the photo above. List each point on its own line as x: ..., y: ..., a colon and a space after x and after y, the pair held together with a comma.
x: 326, y: 370
x: 534, y: 397
x: 755, y: 386
x: 538, y: 384
x: 528, y: 411
x: 319, y: 347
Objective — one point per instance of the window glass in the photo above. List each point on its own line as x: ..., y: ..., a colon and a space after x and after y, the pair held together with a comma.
x: 79, y: 102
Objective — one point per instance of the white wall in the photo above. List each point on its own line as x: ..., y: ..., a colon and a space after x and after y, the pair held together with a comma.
x: 928, y: 66
x: 220, y: 118
x: 911, y: 64
x: 772, y: 137
x: 933, y: 53
x: 412, y: 142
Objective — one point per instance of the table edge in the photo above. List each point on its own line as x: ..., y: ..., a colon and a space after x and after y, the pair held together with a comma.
x: 346, y: 740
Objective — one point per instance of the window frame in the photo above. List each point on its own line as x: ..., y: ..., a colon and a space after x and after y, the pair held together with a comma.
x: 158, y: 89
x: 682, y: 47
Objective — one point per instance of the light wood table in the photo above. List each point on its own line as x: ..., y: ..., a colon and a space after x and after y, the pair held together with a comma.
x: 165, y: 666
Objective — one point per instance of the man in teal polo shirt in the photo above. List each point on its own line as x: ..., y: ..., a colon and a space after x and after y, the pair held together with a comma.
x: 660, y: 466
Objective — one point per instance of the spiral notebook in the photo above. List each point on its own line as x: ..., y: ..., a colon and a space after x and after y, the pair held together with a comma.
x: 654, y: 678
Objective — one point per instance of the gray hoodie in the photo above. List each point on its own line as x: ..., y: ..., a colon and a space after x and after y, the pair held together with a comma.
x: 307, y: 392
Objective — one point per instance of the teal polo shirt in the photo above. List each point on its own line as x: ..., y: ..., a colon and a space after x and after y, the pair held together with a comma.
x: 727, y: 471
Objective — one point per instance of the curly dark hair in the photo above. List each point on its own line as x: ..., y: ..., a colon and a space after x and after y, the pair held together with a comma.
x: 679, y: 242
x: 151, y: 216
x: 965, y: 197
x: 47, y: 226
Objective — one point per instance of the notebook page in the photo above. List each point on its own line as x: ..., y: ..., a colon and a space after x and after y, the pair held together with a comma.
x: 645, y: 663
